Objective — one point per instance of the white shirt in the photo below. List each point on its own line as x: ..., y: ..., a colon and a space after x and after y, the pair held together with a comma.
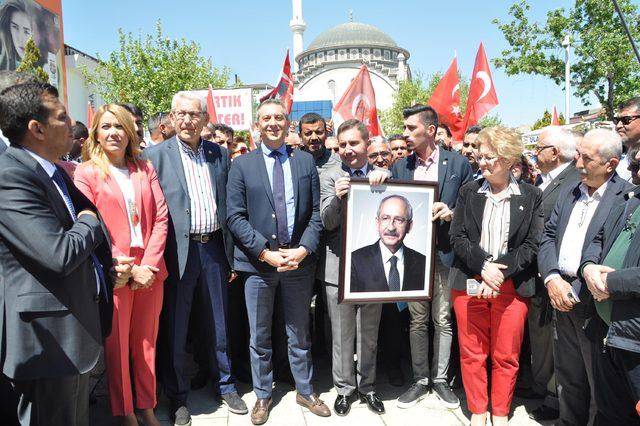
x: 386, y: 261
x: 623, y: 168
x: 3, y: 139
x: 50, y: 169
x: 494, y: 237
x: 548, y: 177
x: 570, y: 252
x: 123, y: 179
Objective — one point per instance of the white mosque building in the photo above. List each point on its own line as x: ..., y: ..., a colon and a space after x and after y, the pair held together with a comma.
x: 324, y: 69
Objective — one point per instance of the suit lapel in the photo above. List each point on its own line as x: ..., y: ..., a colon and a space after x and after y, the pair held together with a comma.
x: 295, y: 174
x: 557, y: 181
x: 212, y: 165
x: 563, y: 219
x: 113, y: 186
x: 478, y: 202
x: 377, y: 260
x: 518, y: 207
x: 176, y: 162
x: 443, y: 163
x: 261, y: 166
x: 136, y: 180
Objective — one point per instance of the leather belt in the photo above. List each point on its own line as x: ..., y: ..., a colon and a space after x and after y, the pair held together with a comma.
x: 202, y: 238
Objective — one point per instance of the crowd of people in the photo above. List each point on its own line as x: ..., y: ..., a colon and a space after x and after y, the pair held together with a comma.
x: 145, y: 250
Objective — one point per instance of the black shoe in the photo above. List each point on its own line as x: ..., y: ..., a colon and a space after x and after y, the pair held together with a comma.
x: 544, y: 413
x: 395, y: 377
x: 527, y: 393
x: 200, y: 380
x: 342, y: 406
x: 181, y: 416
x: 446, y: 395
x: 234, y: 403
x: 415, y: 393
x: 373, y: 402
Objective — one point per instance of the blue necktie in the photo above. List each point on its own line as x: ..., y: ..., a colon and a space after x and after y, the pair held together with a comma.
x: 358, y: 173
x: 394, y: 275
x: 59, y: 180
x: 279, y: 199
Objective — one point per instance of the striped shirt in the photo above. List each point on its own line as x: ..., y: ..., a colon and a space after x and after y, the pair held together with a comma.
x: 496, y: 218
x: 427, y: 170
x: 203, y: 204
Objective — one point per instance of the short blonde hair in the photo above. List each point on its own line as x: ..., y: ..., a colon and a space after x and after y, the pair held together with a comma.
x: 92, y: 150
x: 506, y: 142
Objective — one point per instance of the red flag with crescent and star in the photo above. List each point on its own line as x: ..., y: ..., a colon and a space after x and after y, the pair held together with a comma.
x: 482, y: 92
x: 359, y: 101
x: 284, y: 88
x: 555, y: 121
x: 446, y: 101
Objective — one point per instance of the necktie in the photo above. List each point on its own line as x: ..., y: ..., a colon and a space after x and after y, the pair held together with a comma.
x: 538, y: 180
x: 358, y: 173
x: 58, y: 179
x: 394, y: 275
x: 279, y: 199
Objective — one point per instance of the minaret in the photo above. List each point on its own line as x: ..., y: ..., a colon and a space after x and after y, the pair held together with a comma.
x: 297, y: 26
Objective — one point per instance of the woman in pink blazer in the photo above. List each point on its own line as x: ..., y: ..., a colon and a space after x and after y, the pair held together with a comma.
x: 126, y: 191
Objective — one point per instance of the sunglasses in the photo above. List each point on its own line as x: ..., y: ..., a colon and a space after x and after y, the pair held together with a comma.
x: 626, y: 120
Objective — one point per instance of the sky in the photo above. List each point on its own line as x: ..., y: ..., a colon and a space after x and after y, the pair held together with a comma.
x: 250, y: 37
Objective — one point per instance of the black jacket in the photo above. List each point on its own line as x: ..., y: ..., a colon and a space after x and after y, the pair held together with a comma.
x: 367, y: 271
x: 623, y: 284
x: 525, y: 229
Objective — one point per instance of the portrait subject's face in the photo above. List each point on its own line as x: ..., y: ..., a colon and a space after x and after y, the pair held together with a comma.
x: 20, y: 31
x: 393, y: 223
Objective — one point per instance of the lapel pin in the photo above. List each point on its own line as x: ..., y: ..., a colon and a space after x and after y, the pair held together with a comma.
x: 210, y: 152
x: 444, y: 162
x: 521, y: 208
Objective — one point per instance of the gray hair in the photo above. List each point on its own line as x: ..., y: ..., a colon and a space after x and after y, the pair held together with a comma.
x: 609, y: 143
x: 399, y: 197
x: 189, y: 96
x: 379, y: 139
x: 562, y: 139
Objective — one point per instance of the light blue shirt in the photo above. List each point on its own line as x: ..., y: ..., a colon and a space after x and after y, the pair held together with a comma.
x: 288, y: 180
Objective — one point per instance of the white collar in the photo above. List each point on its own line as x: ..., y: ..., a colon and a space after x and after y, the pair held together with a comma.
x: 512, y: 189
x: 598, y: 193
x: 386, y: 253
x: 555, y: 172
x: 47, y: 165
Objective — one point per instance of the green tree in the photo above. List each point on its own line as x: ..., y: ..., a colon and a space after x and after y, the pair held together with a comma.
x: 30, y: 60
x: 415, y: 92
x: 603, y: 63
x: 148, y: 71
x: 545, y: 120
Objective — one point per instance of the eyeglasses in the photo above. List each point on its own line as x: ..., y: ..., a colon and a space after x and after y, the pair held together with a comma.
x: 397, y: 221
x: 383, y: 154
x: 626, y: 120
x: 193, y: 115
x: 487, y: 158
x: 539, y: 149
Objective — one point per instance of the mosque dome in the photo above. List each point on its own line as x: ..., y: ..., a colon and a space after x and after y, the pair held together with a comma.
x: 352, y: 34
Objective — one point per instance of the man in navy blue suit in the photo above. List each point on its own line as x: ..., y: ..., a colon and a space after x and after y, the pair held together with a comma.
x: 273, y: 212
x: 450, y: 170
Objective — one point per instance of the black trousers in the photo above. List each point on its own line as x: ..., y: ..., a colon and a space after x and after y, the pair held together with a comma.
x: 616, y: 374
x: 54, y: 402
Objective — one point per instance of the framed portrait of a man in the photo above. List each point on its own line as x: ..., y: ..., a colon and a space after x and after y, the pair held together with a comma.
x: 388, y: 242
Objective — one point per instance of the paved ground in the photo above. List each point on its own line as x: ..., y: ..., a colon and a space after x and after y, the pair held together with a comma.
x: 286, y: 412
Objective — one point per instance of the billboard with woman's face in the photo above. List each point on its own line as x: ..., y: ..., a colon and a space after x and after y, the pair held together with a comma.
x: 40, y: 20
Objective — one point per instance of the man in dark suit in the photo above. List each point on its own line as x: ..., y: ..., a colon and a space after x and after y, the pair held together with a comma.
x: 193, y: 177
x: 56, y: 298
x: 451, y: 171
x: 350, y: 323
x: 377, y: 267
x: 555, y: 152
x: 273, y: 214
x: 576, y: 219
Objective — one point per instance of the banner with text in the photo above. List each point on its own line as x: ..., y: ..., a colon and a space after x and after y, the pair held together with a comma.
x: 233, y: 107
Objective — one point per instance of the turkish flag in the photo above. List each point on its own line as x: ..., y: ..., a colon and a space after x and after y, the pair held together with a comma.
x: 555, y: 121
x: 211, y: 107
x: 446, y: 101
x: 359, y: 101
x: 284, y: 88
x: 482, y: 92
x: 89, y: 114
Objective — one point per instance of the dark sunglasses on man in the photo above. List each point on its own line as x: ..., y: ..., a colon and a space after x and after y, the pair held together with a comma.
x: 626, y: 120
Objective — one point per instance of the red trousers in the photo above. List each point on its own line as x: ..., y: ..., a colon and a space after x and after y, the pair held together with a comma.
x: 133, y: 337
x: 490, y: 327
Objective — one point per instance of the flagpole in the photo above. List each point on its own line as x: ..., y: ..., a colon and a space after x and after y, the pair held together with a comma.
x: 566, y: 43
x: 626, y: 29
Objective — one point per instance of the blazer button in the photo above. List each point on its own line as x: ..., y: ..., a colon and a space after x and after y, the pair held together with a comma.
x: 187, y: 211
x: 186, y: 235
x: 273, y: 236
x: 273, y: 215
